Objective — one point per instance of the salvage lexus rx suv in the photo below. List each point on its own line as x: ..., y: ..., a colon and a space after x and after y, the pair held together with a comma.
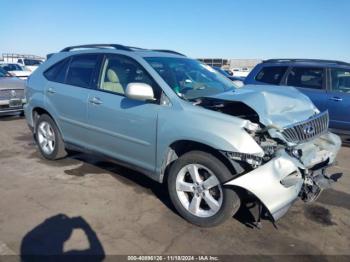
x: 180, y: 122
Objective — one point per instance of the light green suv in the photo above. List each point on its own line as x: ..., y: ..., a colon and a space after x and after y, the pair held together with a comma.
x: 182, y: 123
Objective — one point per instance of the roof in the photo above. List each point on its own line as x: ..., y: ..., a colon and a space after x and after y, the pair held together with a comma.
x: 306, y: 61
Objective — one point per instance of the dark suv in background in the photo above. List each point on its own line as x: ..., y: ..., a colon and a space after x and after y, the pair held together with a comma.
x: 325, y: 82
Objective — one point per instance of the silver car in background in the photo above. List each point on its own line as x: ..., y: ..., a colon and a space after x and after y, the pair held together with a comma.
x: 12, y: 95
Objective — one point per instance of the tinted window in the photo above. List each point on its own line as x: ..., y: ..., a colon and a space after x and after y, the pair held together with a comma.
x: 32, y: 62
x: 341, y: 80
x: 119, y: 71
x: 81, y: 70
x: 11, y: 67
x: 57, y: 73
x: 271, y: 74
x: 3, y: 73
x: 306, y: 77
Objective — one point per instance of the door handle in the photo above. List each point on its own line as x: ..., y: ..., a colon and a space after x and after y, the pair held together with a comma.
x: 51, y: 91
x: 95, y: 101
x: 336, y: 98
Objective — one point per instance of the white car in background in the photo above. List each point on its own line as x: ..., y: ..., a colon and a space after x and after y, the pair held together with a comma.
x: 16, y: 70
x: 29, y: 63
x: 240, y: 72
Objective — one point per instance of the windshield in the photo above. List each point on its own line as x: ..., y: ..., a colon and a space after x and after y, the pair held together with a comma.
x: 190, y: 78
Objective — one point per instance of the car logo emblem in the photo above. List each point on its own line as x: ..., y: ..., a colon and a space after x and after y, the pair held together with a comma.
x: 309, y: 130
x: 13, y: 93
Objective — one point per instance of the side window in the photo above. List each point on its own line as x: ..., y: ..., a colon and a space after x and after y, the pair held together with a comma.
x: 12, y: 67
x: 57, y: 73
x: 308, y: 77
x: 17, y: 67
x: 341, y: 80
x: 5, y: 67
x: 81, y: 70
x: 271, y: 74
x: 119, y: 71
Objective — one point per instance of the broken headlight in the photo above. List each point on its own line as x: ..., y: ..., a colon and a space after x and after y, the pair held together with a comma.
x: 249, y: 158
x: 252, y: 127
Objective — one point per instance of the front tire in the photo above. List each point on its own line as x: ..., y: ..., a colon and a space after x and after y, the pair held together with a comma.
x: 49, y: 139
x: 196, y: 189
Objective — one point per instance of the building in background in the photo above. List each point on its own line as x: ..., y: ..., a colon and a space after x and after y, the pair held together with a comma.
x: 243, y: 63
x: 231, y: 63
x: 219, y: 62
x: 238, y: 67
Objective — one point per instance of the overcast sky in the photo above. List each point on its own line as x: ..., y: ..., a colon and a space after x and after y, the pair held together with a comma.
x: 198, y: 28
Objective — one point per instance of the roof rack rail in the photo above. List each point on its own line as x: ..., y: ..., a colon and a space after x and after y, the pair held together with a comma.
x: 115, y: 46
x: 156, y: 50
x: 282, y: 60
x: 167, y: 51
x: 119, y: 47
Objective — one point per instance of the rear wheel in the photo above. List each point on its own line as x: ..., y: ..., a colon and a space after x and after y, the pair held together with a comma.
x: 196, y: 190
x: 49, y: 138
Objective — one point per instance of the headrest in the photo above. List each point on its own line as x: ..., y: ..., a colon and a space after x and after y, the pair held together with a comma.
x: 112, y: 76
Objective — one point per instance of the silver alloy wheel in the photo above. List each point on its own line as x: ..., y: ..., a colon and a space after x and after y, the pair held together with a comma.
x: 199, y: 190
x: 46, y: 137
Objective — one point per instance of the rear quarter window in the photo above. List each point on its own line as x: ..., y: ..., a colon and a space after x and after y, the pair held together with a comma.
x: 271, y: 74
x: 57, y: 72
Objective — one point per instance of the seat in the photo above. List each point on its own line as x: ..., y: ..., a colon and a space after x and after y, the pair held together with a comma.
x: 113, y: 83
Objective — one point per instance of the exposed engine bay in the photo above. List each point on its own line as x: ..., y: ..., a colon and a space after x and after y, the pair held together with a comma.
x: 298, y: 155
x: 233, y: 108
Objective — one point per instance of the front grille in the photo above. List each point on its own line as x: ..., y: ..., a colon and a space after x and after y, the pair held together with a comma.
x: 306, y: 130
x: 7, y: 94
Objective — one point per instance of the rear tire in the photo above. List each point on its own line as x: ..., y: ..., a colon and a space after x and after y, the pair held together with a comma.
x: 205, y: 202
x: 49, y: 139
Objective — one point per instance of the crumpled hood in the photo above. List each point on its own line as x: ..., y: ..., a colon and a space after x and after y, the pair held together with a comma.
x: 275, y: 105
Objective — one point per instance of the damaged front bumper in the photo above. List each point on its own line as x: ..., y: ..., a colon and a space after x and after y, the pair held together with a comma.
x: 278, y: 182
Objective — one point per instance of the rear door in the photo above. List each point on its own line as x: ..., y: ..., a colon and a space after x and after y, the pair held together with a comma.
x: 312, y: 82
x: 67, y: 94
x: 339, y: 99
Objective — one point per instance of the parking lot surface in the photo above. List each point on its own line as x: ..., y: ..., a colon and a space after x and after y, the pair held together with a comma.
x: 88, y: 204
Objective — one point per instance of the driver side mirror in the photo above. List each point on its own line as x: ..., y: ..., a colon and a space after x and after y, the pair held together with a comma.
x: 139, y: 91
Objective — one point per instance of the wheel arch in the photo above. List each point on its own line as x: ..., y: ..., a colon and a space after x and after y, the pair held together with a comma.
x: 37, y: 112
x: 180, y: 147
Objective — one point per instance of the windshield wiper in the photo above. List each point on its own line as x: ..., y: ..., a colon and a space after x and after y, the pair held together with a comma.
x: 181, y: 95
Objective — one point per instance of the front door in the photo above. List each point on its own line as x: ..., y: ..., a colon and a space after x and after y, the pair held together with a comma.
x: 122, y: 128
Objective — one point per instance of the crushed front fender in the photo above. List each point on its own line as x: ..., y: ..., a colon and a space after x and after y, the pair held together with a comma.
x: 276, y: 184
